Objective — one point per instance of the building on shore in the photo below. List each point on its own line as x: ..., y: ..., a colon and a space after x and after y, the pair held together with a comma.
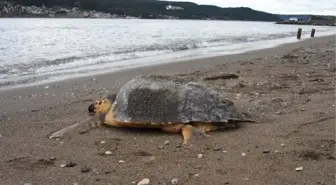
x: 11, y: 10
x: 308, y: 20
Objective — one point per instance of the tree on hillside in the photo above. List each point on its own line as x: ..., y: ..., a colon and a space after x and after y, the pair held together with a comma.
x: 156, y: 9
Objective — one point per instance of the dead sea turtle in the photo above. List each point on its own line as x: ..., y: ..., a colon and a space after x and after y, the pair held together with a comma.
x: 171, y: 104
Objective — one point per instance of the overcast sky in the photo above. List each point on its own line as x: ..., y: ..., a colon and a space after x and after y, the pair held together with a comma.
x: 325, y: 7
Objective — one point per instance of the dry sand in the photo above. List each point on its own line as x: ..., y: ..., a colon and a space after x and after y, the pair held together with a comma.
x: 289, y: 89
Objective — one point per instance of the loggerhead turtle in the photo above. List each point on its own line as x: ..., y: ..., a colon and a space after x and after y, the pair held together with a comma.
x: 171, y: 104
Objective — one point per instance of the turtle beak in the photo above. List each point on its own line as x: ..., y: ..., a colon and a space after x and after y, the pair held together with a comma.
x: 91, y: 110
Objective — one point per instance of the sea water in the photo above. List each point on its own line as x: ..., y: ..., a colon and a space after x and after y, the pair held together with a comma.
x: 34, y: 50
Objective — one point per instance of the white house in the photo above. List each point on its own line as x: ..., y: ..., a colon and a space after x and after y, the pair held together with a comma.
x: 171, y: 7
x: 293, y: 19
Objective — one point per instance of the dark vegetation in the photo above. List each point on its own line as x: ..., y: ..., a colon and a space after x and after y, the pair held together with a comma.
x: 156, y: 9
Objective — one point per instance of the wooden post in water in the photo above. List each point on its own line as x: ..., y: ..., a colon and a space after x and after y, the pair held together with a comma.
x: 299, y: 33
x: 312, y: 34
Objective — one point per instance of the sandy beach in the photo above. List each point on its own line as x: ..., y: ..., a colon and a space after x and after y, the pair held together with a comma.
x: 289, y: 90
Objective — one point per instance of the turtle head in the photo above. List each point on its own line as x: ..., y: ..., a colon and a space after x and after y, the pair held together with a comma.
x: 99, y: 107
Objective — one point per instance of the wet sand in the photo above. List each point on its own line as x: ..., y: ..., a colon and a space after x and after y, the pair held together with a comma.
x: 289, y: 89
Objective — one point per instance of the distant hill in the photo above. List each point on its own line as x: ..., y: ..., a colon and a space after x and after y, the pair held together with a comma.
x: 156, y: 9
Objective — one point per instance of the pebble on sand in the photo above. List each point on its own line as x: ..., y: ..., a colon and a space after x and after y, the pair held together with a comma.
x: 299, y: 168
x: 121, y: 161
x: 68, y: 164
x: 166, y: 142
x: 198, y: 166
x: 266, y: 151
x: 108, y: 153
x: 282, y: 144
x: 216, y: 149
x: 85, y: 169
x: 174, y: 181
x: 102, y: 142
x: 200, y: 156
x: 144, y: 181
x: 243, y: 154
x: 160, y: 147
x: 238, y: 96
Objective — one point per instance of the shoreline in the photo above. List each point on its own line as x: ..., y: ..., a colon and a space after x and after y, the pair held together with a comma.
x: 137, y: 18
x: 290, y: 89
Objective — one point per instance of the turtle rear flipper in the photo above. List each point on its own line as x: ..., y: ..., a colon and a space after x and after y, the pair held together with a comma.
x: 190, y: 131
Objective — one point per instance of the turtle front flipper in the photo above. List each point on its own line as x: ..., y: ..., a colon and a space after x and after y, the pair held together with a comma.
x: 92, y: 122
